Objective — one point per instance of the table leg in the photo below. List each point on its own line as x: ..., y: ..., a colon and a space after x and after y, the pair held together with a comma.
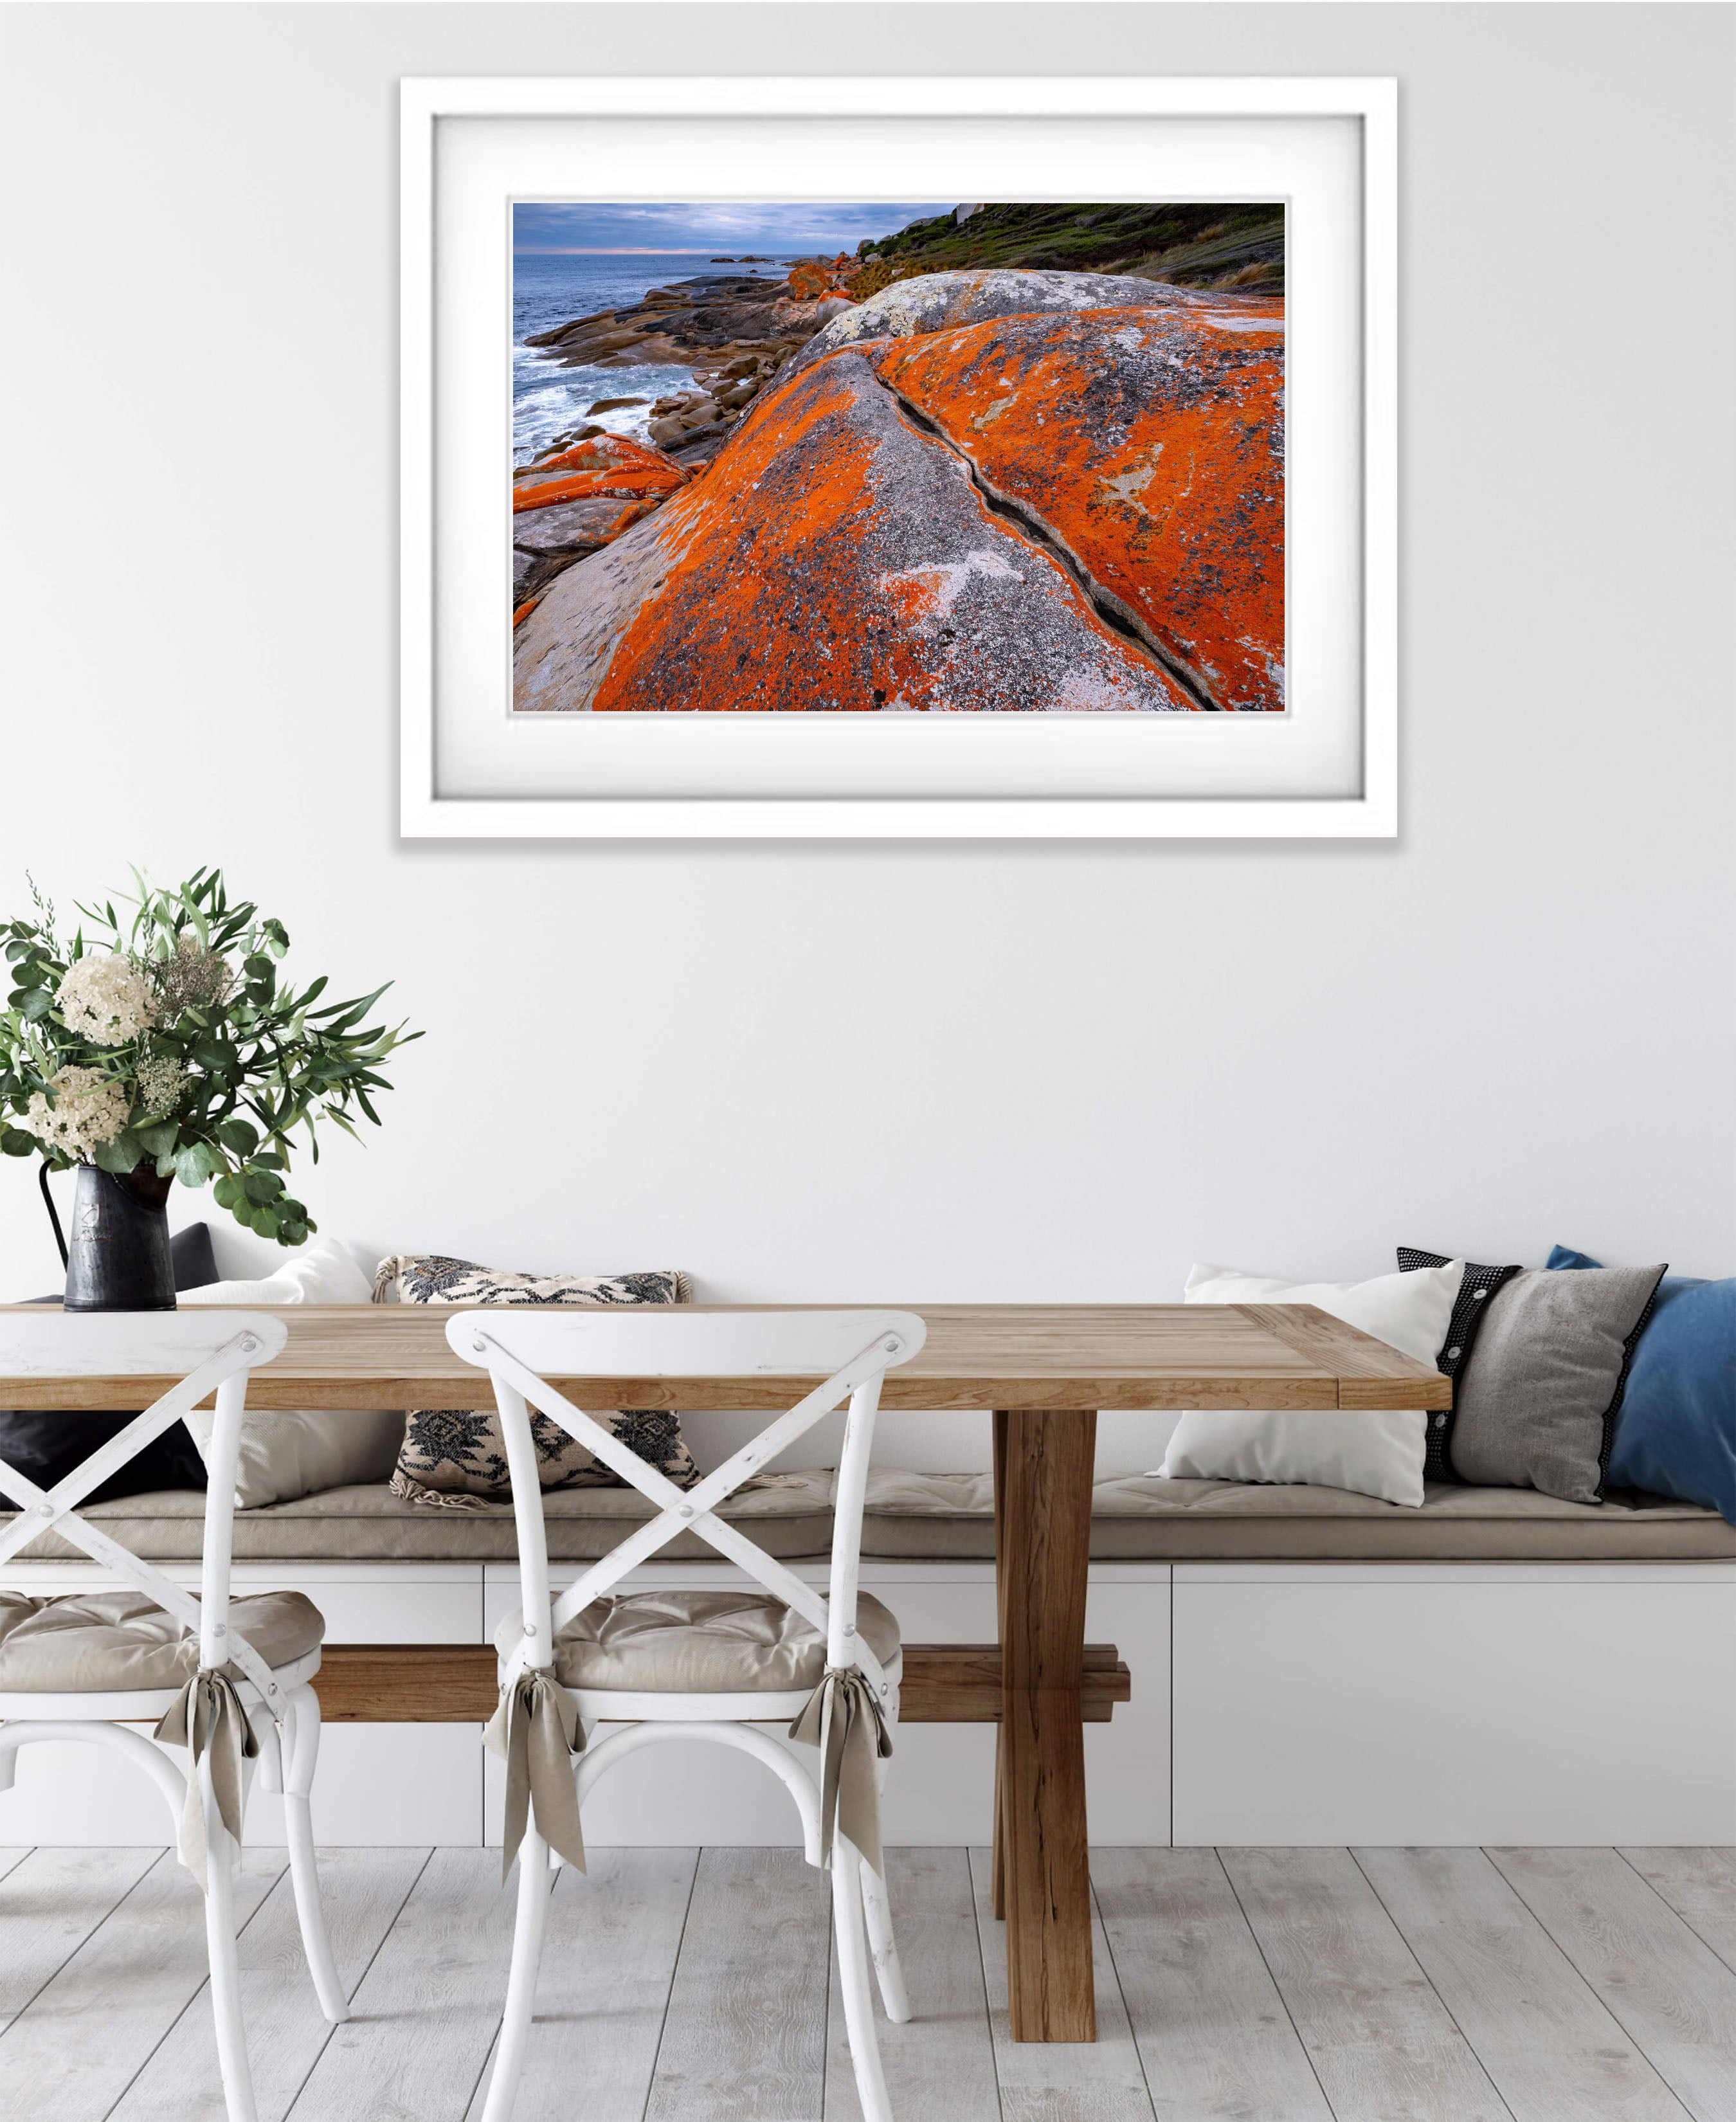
x: 1043, y: 1461
x: 997, y: 1858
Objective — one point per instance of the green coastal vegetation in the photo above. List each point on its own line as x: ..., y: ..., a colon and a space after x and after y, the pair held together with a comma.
x: 1197, y: 246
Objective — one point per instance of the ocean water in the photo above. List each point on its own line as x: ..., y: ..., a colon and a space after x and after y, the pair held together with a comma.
x: 547, y: 400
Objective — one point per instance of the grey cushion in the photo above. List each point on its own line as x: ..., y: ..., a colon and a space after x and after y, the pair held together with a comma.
x: 1537, y: 1405
x: 934, y: 1517
x: 369, y: 1524
x: 119, y: 1642
x: 699, y: 1643
x: 1144, y: 1518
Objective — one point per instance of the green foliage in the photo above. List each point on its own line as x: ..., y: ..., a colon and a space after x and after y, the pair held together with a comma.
x: 1202, y: 245
x: 234, y: 1059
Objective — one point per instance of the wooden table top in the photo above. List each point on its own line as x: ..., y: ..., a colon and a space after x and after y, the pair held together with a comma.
x: 980, y: 1356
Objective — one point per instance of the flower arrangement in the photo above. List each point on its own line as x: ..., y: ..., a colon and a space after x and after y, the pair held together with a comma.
x: 165, y: 1045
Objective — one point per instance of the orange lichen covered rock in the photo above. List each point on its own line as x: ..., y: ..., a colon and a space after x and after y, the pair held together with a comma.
x: 578, y: 526
x: 606, y: 466
x: 941, y: 301
x: 810, y: 278
x: 834, y: 557
x: 989, y: 492
x: 1148, y: 445
x: 608, y: 453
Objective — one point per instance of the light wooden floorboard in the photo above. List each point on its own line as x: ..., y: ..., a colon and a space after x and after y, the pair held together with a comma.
x: 11, y: 1857
x: 940, y: 2065
x: 427, y: 2010
x: 1552, y: 2050
x: 1700, y: 1885
x: 1669, y: 1990
x: 745, y: 2039
x: 1101, y: 2081
x: 1381, y: 2041
x: 1212, y: 2030
x: 70, y: 2054
x: 363, y: 1891
x: 1278, y: 1985
x: 609, y: 1960
x: 49, y: 1904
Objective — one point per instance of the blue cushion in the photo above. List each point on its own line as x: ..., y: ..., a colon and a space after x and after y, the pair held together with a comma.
x: 1676, y: 1434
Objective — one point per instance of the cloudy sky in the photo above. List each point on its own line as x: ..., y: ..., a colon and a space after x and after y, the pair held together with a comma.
x: 713, y: 227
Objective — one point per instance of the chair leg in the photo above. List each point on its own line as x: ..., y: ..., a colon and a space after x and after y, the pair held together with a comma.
x: 226, y: 1972
x: 883, y: 1946
x: 852, y: 1969
x: 298, y: 1821
x: 534, y: 1881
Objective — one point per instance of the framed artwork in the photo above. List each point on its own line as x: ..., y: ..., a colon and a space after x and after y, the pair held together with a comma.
x: 892, y: 459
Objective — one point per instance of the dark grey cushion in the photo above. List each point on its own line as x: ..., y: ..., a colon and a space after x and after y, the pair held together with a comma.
x: 47, y: 1443
x: 1476, y: 1286
x: 1537, y: 1405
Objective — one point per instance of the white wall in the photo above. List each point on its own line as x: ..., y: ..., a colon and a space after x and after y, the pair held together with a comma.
x: 882, y: 1072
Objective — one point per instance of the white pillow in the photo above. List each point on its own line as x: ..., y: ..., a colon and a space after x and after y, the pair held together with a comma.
x: 296, y: 1453
x: 1373, y: 1453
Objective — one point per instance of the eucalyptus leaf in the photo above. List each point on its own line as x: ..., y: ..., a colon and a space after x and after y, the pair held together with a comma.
x: 119, y: 1155
x: 195, y: 1164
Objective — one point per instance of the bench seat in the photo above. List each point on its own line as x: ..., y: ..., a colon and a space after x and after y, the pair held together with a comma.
x: 943, y: 1518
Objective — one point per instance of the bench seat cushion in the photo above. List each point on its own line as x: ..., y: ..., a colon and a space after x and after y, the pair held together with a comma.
x: 120, y: 1643
x: 369, y: 1524
x: 699, y: 1643
x: 934, y: 1517
x: 1144, y: 1518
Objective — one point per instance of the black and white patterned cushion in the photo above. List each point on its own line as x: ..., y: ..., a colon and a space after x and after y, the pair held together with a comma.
x: 456, y: 1457
x: 435, y: 1279
x: 1479, y: 1285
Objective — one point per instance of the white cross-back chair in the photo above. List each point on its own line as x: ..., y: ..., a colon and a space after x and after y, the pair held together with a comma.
x: 832, y: 1664
x: 84, y: 1666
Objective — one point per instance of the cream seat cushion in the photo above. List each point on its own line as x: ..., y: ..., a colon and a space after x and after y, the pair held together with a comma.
x: 698, y: 1642
x: 121, y: 1642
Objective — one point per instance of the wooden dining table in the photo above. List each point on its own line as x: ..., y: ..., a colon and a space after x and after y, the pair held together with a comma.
x: 1042, y: 1371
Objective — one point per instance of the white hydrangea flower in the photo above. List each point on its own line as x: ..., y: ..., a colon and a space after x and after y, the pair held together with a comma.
x: 88, y: 1109
x: 106, y: 999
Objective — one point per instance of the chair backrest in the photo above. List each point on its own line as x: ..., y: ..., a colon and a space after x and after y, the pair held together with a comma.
x: 204, y: 1354
x: 850, y: 1352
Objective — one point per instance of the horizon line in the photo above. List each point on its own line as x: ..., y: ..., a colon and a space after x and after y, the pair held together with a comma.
x: 617, y: 250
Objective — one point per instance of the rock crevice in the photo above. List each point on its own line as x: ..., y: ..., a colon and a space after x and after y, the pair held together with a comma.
x: 1108, y: 607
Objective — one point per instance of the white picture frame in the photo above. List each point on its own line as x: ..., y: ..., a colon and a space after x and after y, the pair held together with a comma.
x: 1328, y: 768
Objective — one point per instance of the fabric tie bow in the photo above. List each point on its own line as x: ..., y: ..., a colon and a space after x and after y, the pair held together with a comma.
x: 535, y: 1730
x: 844, y: 1719
x: 207, y: 1718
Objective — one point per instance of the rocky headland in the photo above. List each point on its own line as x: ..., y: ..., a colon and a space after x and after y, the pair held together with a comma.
x: 994, y: 490
x: 734, y: 331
